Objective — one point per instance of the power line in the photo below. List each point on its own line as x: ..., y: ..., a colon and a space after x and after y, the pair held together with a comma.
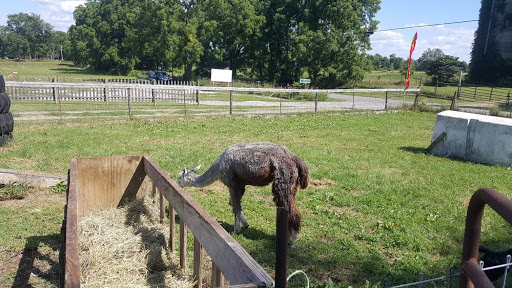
x: 425, y: 25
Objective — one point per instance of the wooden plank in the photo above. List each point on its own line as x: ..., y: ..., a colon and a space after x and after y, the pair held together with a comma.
x: 198, y: 264
x: 108, y: 182
x: 236, y: 264
x: 183, y: 246
x: 172, y: 225
x: 162, y: 208
x: 72, y: 264
x: 217, y: 277
x: 153, y: 193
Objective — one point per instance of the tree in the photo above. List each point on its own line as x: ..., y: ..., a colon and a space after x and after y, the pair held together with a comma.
x: 443, y: 68
x: 427, y: 57
x: 323, y: 39
x: 229, y: 32
x: 34, y: 30
x: 396, y: 63
x: 16, y: 46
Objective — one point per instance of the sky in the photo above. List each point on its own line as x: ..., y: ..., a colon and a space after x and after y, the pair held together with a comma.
x: 455, y: 39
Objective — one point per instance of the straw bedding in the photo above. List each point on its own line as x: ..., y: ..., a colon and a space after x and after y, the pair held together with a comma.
x: 127, y: 247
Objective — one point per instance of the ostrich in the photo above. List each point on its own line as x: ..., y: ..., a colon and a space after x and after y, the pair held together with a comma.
x: 256, y: 164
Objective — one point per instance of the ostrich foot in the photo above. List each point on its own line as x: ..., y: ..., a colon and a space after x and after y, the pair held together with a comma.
x: 295, y: 240
x: 240, y: 223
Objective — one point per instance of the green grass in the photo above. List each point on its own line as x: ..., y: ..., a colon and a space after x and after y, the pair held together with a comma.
x: 30, y: 230
x: 381, y: 208
x: 48, y: 69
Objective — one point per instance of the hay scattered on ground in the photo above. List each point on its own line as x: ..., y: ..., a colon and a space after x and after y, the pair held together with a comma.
x: 127, y: 247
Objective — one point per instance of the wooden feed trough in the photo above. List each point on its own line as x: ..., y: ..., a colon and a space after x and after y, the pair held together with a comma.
x: 100, y: 183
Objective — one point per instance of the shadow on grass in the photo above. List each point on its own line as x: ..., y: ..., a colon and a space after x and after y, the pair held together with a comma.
x: 48, y: 270
x: 415, y: 150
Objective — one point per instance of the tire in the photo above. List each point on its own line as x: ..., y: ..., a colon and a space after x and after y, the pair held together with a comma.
x: 6, y: 124
x: 2, y: 84
x: 5, y: 103
x: 9, y: 123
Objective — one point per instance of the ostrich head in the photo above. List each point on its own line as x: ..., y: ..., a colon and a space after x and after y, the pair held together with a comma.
x: 186, y: 176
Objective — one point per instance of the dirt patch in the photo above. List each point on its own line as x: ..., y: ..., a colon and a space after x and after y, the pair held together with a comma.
x: 321, y: 183
x: 33, y: 197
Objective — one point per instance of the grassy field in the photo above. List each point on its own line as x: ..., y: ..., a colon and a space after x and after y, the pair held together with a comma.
x: 376, y: 208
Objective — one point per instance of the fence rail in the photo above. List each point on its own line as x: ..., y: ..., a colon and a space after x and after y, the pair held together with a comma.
x: 214, y: 99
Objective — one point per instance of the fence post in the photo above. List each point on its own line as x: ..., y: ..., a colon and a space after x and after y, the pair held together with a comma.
x: 437, y: 84
x: 416, y: 99
x: 153, y: 95
x: 316, y: 102
x: 474, y: 95
x: 386, y: 103
x: 55, y: 90
x: 490, y: 95
x: 197, y: 92
x: 172, y: 227
x: 129, y: 102
x: 452, y: 106
x: 281, y: 246
x: 198, y: 263
x: 185, y: 102
x: 231, y: 102
x: 183, y: 246
x: 105, y: 91
x: 459, y: 85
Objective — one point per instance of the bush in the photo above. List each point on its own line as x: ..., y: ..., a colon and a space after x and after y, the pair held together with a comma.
x: 494, y: 111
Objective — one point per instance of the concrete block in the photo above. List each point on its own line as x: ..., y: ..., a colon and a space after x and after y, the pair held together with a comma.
x: 474, y: 137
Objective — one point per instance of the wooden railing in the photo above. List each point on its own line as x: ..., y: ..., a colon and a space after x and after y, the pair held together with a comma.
x: 98, y: 183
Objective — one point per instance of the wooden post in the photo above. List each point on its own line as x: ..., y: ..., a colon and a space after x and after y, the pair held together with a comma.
x: 129, y: 102
x: 316, y: 102
x: 153, y: 95
x: 197, y: 92
x: 459, y: 86
x: 198, y: 263
x: 386, y: 103
x: 162, y: 208
x: 416, y: 99
x: 435, y: 90
x: 490, y: 95
x: 452, y: 106
x: 153, y: 193
x: 172, y: 225
x: 183, y: 246
x: 231, y: 102
x: 217, y: 277
x: 474, y: 95
x: 55, y: 90
x: 185, y: 102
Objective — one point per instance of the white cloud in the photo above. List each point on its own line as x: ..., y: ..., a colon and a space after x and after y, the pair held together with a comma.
x: 58, y: 13
x: 453, y: 41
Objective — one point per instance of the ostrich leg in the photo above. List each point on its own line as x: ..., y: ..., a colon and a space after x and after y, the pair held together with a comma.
x: 235, y: 201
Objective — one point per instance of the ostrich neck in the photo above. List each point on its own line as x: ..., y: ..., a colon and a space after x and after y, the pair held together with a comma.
x: 207, y: 178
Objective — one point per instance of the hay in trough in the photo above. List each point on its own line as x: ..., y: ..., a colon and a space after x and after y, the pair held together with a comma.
x: 127, y: 247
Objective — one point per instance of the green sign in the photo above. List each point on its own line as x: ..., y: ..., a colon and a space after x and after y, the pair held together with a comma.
x: 305, y: 81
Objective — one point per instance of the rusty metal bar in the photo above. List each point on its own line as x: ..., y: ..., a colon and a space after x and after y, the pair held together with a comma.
x: 281, y: 246
x: 471, y: 273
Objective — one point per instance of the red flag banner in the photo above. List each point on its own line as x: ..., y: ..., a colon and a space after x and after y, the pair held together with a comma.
x: 413, y: 45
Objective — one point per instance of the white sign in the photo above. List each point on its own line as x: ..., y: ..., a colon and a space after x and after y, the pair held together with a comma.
x: 219, y: 75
